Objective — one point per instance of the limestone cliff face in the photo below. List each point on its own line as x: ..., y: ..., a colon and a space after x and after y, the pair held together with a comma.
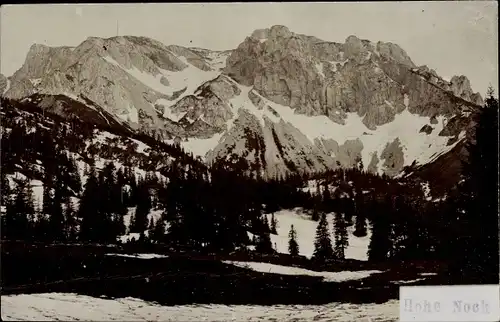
x: 315, y: 77
x: 128, y: 76
x: 3, y: 84
x: 282, y: 101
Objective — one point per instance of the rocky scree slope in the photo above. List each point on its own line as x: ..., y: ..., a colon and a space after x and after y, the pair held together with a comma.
x: 283, y: 101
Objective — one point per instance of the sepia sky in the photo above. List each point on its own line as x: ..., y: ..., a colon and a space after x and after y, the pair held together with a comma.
x: 453, y: 38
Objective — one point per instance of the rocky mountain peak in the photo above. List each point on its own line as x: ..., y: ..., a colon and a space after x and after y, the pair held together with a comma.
x: 353, y: 46
x: 389, y: 50
x: 460, y: 85
x: 280, y: 31
x: 283, y: 101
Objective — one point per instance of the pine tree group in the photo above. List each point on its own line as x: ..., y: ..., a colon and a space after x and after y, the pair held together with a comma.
x: 341, y: 237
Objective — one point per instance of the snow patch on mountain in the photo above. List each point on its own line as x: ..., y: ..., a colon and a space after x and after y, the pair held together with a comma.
x: 190, y: 78
x: 167, y: 111
x: 131, y: 115
x: 199, y: 147
x: 319, y: 69
x: 218, y: 59
x: 35, y: 81
x: 141, y: 147
x: 152, y: 81
x: 243, y: 101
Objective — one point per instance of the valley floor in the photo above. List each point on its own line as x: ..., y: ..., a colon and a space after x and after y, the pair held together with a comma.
x: 103, y: 283
x: 73, y: 307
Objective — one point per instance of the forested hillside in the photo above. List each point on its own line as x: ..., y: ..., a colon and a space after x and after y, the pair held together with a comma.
x: 73, y: 182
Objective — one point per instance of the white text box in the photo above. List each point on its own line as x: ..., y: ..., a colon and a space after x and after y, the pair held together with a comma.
x: 450, y: 303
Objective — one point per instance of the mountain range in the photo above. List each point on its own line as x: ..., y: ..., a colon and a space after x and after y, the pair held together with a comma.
x: 285, y: 102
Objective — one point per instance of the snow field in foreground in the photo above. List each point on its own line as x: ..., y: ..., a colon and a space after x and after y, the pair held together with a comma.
x: 306, y: 231
x: 72, y: 307
x: 289, y: 270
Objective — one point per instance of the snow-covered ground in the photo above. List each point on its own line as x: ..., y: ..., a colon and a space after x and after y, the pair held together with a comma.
x: 140, y: 256
x: 289, y: 270
x: 73, y: 307
x: 306, y: 231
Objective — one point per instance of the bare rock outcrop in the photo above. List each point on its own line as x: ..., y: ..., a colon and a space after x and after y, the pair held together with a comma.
x: 393, y: 157
x: 426, y: 129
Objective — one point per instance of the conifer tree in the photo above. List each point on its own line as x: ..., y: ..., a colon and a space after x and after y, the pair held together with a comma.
x: 380, y: 242
x: 274, y: 224
x: 349, y: 209
x: 264, y: 244
x: 119, y: 214
x: 114, y: 193
x: 158, y: 233
x: 140, y: 222
x: 341, y: 237
x: 315, y: 214
x: 173, y: 209
x: 293, y: 246
x: 401, y: 230
x: 105, y: 210
x: 69, y: 174
x: 48, y: 194
x: 88, y: 209
x: 327, y: 198
x: 56, y: 217
x: 360, y: 225
x: 5, y: 187
x: 151, y: 228
x: 360, y: 211
x: 317, y: 203
x: 71, y: 233
x: 322, y: 245
x: 266, y: 224
x: 18, y: 213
